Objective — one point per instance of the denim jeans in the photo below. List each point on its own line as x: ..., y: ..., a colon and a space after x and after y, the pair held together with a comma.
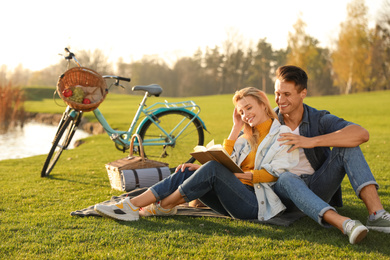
x: 215, y: 186
x: 311, y: 193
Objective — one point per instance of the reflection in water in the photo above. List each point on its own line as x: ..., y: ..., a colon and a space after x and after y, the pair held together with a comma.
x: 32, y: 139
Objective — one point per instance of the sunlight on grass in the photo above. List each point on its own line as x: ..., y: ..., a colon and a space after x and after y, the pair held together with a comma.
x: 35, y: 221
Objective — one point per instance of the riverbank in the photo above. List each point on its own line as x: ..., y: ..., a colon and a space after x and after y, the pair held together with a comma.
x: 93, y: 128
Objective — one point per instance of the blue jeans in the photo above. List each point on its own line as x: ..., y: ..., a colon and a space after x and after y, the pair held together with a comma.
x: 311, y: 193
x: 215, y: 186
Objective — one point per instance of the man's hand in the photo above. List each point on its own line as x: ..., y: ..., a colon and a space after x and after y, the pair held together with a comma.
x: 245, y: 176
x: 297, y: 141
x: 190, y: 166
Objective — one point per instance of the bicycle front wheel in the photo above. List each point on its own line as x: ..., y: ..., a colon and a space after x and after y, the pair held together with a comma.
x: 61, y: 141
x: 178, y: 126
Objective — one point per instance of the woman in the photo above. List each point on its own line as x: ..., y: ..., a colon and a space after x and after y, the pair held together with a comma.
x: 245, y: 195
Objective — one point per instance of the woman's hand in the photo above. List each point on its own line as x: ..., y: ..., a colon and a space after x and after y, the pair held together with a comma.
x: 245, y: 176
x: 190, y: 166
x: 237, y: 125
x: 237, y: 120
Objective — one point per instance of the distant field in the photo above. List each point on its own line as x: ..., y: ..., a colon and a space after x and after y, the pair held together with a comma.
x: 34, y: 212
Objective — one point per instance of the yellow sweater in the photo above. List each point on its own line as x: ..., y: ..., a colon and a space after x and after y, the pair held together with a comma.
x: 249, y: 162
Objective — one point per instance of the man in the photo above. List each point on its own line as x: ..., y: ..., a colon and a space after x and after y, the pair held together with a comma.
x: 318, y: 176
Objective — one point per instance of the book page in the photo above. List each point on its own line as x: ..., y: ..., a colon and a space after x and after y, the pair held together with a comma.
x: 215, y: 152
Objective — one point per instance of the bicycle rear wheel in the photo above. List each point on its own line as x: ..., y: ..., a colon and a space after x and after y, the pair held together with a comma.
x: 61, y: 141
x: 173, y: 122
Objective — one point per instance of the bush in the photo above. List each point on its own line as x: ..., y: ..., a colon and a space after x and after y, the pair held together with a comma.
x: 11, y: 107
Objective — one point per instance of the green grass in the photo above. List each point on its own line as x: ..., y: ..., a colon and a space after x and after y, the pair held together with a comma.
x: 35, y: 221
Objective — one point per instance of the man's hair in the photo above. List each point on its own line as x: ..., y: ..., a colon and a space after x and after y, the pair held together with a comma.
x: 294, y: 74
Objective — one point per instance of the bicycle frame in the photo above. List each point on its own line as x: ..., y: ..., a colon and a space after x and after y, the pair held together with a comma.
x: 123, y: 137
x: 160, y: 115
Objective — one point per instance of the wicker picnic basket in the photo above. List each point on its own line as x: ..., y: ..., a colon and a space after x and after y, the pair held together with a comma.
x: 80, y: 76
x: 136, y: 171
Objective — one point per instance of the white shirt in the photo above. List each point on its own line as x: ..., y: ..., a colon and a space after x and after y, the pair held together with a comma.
x: 273, y: 157
x: 304, y: 166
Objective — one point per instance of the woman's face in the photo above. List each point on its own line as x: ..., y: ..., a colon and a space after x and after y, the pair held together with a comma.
x: 251, y: 111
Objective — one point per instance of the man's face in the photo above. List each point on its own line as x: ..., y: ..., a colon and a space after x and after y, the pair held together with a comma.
x: 287, y: 97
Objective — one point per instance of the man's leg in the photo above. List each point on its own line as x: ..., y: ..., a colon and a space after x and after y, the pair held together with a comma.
x: 351, y: 161
x: 292, y: 188
x: 326, y: 180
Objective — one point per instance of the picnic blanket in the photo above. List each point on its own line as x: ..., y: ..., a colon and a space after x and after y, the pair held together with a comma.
x: 285, y: 219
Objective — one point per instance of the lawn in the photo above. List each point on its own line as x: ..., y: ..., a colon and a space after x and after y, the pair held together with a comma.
x: 35, y: 221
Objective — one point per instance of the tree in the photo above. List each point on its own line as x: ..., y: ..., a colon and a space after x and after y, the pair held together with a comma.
x: 188, y: 75
x: 20, y: 76
x: 235, y: 63
x: 3, y: 75
x: 351, y: 58
x: 380, y: 50
x: 213, y: 60
x: 304, y: 52
x: 47, y: 76
x: 95, y: 60
x: 261, y: 69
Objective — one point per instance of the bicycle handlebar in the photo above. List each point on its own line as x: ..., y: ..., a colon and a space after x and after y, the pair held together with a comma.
x: 116, y: 77
x: 72, y: 56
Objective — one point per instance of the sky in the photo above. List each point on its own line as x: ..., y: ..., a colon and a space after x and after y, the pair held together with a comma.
x: 35, y: 32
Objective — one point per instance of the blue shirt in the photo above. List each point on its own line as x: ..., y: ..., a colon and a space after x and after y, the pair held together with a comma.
x: 314, y: 123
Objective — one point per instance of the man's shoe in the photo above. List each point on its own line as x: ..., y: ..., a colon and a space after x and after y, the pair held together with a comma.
x: 122, y: 210
x: 155, y: 209
x: 355, y: 230
x: 381, y: 224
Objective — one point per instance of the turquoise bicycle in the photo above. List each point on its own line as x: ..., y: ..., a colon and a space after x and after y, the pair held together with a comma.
x: 168, y: 130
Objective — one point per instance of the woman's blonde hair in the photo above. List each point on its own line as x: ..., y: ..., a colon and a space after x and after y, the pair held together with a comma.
x: 251, y: 133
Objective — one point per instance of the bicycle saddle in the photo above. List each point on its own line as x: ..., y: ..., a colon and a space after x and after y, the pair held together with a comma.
x: 153, y: 89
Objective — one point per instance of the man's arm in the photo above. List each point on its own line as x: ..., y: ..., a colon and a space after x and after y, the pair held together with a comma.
x: 349, y: 136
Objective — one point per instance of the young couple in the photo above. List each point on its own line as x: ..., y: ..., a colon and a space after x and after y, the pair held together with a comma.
x: 286, y: 162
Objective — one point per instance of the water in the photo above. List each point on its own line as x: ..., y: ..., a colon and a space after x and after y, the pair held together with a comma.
x: 32, y: 139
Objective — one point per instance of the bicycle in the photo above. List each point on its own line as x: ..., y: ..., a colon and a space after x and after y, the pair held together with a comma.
x: 167, y: 130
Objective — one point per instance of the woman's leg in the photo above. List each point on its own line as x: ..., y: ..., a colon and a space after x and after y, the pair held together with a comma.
x: 162, y: 189
x: 128, y: 210
x: 216, y: 186
x: 227, y: 190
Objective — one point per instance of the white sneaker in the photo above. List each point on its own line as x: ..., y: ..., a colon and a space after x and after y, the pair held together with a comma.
x: 122, y: 210
x: 155, y: 209
x: 355, y: 230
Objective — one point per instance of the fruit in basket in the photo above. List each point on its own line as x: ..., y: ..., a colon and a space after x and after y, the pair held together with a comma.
x: 78, y: 95
x: 86, y: 101
x: 93, y: 93
x: 67, y: 92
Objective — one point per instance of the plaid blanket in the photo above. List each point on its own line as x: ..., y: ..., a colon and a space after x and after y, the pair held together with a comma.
x: 285, y: 219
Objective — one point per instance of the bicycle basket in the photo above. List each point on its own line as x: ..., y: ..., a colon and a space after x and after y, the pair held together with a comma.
x: 89, y: 80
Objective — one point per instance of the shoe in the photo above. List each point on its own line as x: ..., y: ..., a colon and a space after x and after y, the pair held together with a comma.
x: 355, y: 230
x: 155, y: 209
x: 381, y: 224
x: 122, y: 210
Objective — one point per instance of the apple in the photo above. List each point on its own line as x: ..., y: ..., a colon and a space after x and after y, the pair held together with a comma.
x: 67, y: 92
x: 86, y: 101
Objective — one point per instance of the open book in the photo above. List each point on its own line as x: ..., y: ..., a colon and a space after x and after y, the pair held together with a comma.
x: 215, y: 152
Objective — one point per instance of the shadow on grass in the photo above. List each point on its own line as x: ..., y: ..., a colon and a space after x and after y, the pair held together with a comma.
x: 304, y: 232
x: 55, y: 178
